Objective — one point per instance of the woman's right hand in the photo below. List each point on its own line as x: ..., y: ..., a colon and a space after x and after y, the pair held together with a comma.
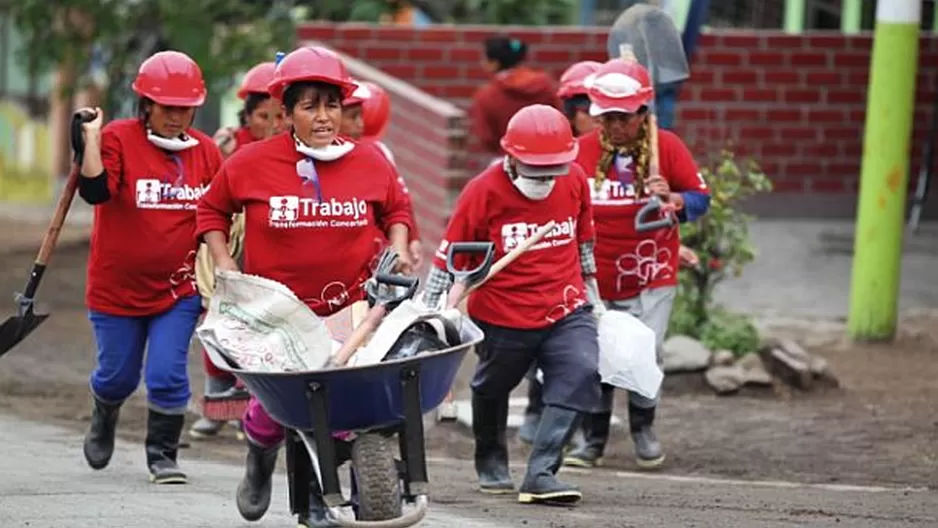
x: 227, y: 264
x: 225, y: 139
x: 93, y: 127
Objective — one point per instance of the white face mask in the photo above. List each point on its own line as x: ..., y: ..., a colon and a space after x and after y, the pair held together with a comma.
x: 534, y: 189
x: 176, y: 144
x: 332, y: 152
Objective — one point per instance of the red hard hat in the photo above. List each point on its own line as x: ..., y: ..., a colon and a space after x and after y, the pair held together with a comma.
x: 540, y: 135
x: 359, y: 96
x: 571, y: 82
x: 170, y: 78
x: 376, y: 110
x: 619, y: 86
x: 310, y: 63
x: 257, y: 79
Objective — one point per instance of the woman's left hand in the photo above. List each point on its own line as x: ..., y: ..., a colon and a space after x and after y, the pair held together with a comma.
x: 405, y: 263
x: 657, y: 185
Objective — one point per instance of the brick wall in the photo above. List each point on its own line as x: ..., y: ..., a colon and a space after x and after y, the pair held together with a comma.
x: 427, y: 139
x: 795, y: 103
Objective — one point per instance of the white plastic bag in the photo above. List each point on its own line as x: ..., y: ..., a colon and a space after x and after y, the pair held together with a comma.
x: 627, y: 354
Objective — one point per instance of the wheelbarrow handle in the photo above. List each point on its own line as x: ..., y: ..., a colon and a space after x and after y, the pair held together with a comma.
x: 471, y: 276
x: 652, y: 207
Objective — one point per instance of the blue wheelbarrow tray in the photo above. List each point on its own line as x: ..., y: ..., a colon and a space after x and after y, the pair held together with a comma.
x: 391, y: 395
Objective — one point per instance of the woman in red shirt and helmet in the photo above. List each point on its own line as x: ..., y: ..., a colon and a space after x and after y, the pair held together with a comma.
x: 261, y: 117
x: 536, y: 311
x: 310, y: 223
x: 637, y: 271
x: 365, y: 115
x: 144, y: 177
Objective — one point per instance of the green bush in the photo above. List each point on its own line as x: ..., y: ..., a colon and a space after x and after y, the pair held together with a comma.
x: 721, y: 240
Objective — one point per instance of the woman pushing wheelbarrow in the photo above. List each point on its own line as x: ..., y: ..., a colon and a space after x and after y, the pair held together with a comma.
x: 310, y: 223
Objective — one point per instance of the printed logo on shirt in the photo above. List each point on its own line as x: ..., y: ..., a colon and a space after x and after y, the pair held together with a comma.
x: 612, y: 193
x: 152, y: 193
x: 514, y: 234
x: 287, y: 212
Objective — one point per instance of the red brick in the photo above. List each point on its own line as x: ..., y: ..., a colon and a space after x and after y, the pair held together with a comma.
x: 861, y: 43
x: 779, y: 149
x: 858, y: 79
x: 853, y: 149
x: 718, y: 95
x: 799, y: 134
x: 569, y: 37
x: 809, y: 58
x: 767, y: 58
x: 321, y: 32
x: 476, y: 72
x: 397, y: 34
x: 757, y: 132
x: 757, y: 95
x: 477, y: 35
x: 791, y: 42
x: 744, y: 114
x: 830, y: 42
x: 779, y: 77
x: 825, y: 115
x: 746, y: 76
x: 851, y: 60
x: 440, y: 72
x: 783, y: 115
x: 439, y: 34
x: 708, y: 40
x: 462, y: 54
x: 458, y: 91
x: 722, y: 58
x: 553, y: 55
x: 425, y: 53
x: 824, y: 150
x: 744, y: 39
x: 696, y: 113
x: 405, y: 72
x: 354, y: 32
x: 803, y: 169
x: 846, y: 97
x: 702, y: 76
x: 842, y: 132
x: 817, y: 79
x: 382, y: 53
x: 801, y: 96
x: 849, y: 168
x: 827, y: 185
x: 857, y: 116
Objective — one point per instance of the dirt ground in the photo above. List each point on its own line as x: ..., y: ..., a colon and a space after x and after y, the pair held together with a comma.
x: 880, y: 427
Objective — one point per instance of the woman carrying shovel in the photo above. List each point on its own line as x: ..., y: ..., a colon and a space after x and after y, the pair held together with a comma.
x: 537, y: 310
x: 637, y: 272
x: 144, y: 176
x: 261, y: 117
x: 310, y: 223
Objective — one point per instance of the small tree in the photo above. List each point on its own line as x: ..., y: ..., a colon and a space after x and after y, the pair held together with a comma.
x: 721, y: 240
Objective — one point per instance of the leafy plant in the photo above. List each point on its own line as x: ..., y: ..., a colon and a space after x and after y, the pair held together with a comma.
x: 721, y: 240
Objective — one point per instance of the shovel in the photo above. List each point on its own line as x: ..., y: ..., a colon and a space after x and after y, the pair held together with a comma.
x: 387, y: 291
x: 16, y: 328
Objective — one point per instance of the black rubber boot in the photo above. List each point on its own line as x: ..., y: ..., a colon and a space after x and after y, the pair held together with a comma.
x: 489, y: 426
x: 532, y: 413
x: 540, y: 484
x: 648, y: 452
x: 162, y: 443
x: 99, y: 441
x: 596, y: 427
x: 253, y: 495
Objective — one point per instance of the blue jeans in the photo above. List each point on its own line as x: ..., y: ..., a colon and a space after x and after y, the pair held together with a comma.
x: 165, y: 337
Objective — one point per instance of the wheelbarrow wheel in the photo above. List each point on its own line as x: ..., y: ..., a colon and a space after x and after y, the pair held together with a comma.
x: 376, y: 476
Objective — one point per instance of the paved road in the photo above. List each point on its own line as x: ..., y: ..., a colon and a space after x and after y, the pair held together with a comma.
x: 45, y: 483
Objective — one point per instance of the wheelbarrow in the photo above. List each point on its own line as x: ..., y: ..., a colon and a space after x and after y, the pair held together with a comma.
x: 374, y: 402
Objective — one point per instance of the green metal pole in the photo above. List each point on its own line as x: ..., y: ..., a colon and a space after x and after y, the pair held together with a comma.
x: 934, y: 21
x: 794, y: 16
x: 851, y: 16
x: 678, y: 11
x: 874, y: 289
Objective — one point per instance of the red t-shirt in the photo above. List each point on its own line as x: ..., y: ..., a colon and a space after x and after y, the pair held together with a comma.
x: 545, y: 283
x: 414, y: 233
x: 322, y: 249
x: 242, y: 137
x: 628, y: 262
x: 142, y: 248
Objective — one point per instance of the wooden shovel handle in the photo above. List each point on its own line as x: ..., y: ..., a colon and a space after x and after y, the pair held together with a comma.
x: 359, y: 335
x: 462, y: 293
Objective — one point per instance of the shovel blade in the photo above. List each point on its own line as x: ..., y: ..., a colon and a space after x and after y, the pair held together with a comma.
x: 16, y: 328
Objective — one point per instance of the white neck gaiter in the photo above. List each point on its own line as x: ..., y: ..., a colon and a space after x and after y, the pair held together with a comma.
x: 176, y: 144
x: 336, y: 150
